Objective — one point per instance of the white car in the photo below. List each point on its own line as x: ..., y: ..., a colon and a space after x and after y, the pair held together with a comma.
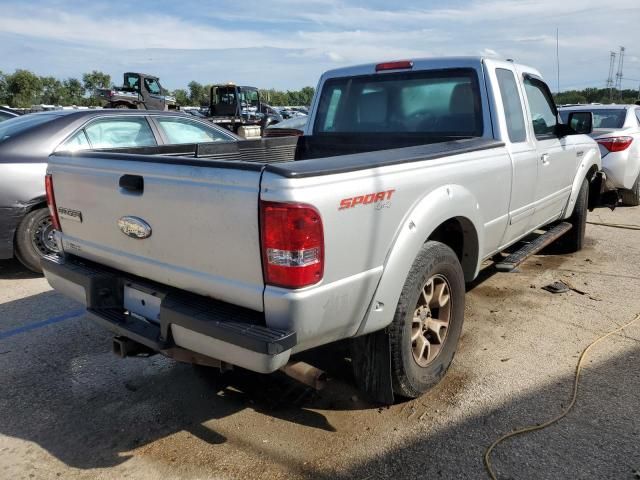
x: 616, y: 128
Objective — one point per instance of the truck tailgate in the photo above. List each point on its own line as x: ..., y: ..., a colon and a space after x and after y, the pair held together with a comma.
x: 203, y: 217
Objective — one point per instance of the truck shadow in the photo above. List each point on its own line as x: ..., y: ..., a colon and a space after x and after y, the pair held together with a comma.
x: 65, y: 391
x: 12, y: 269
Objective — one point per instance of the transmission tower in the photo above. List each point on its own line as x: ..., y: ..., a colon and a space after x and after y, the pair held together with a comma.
x: 612, y: 64
x: 619, y: 74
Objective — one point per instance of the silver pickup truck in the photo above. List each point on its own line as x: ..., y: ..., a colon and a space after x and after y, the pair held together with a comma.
x: 410, y: 174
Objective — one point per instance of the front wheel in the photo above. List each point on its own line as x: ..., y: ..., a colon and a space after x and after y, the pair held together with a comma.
x: 34, y: 239
x: 573, y: 240
x: 428, y: 321
x: 632, y: 197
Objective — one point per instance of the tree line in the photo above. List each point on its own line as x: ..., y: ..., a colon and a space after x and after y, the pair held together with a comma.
x: 23, y: 89
x: 597, y: 95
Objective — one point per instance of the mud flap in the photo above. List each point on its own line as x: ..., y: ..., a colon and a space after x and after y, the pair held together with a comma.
x: 602, y: 193
x: 371, y: 360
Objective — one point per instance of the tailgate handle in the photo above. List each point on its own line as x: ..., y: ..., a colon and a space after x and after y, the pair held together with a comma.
x: 132, y: 184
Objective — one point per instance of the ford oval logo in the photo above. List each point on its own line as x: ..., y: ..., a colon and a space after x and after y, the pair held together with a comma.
x: 134, y: 227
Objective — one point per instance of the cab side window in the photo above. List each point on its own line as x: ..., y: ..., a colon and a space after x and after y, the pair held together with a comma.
x: 638, y: 115
x: 541, y: 108
x: 512, y: 105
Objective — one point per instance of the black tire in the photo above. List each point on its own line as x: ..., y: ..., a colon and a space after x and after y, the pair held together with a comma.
x: 632, y: 197
x: 122, y: 106
x: 573, y: 240
x: 32, y: 240
x: 411, y: 379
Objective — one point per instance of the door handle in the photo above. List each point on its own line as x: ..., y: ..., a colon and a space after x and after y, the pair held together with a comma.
x: 131, y: 184
x: 545, y: 158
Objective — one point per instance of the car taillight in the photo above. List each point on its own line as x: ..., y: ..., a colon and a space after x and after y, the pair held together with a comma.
x: 51, y: 201
x: 292, y: 244
x: 615, y: 144
x: 400, y: 65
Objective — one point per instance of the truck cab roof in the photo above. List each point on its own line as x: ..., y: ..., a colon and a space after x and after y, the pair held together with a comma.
x: 427, y: 64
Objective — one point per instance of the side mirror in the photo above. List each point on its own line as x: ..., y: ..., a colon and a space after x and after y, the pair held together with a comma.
x: 581, y: 122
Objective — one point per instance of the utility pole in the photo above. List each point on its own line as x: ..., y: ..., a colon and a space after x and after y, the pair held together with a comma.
x: 558, y: 57
x: 612, y: 63
x: 619, y: 74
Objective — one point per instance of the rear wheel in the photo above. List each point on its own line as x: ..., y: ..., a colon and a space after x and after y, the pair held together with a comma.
x: 34, y: 239
x: 632, y: 197
x: 427, y: 324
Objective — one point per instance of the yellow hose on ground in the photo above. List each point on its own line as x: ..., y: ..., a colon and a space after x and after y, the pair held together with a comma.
x: 533, y: 428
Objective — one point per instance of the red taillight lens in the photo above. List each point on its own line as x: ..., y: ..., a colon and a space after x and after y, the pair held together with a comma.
x: 51, y: 201
x: 292, y: 244
x: 400, y: 65
x: 615, y: 144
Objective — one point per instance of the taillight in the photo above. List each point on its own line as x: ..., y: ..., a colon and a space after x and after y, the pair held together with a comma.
x: 292, y: 244
x: 400, y: 65
x: 51, y: 201
x: 615, y: 144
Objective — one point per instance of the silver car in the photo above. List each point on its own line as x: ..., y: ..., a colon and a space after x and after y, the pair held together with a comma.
x: 27, y: 141
x: 616, y: 128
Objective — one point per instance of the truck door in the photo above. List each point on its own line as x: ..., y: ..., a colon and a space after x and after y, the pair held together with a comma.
x: 152, y: 94
x: 524, y: 156
x: 556, y: 156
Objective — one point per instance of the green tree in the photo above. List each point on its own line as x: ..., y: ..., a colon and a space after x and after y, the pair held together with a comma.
x: 197, y: 94
x: 182, y: 97
x: 95, y: 79
x: 52, y: 92
x: 4, y: 94
x: 73, y: 92
x: 23, y: 88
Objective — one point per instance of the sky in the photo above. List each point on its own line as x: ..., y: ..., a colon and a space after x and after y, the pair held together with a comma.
x: 287, y: 44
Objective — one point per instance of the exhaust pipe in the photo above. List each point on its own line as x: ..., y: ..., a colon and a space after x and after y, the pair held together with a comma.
x: 306, y: 374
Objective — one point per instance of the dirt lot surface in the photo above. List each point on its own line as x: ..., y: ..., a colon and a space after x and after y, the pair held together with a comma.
x: 70, y: 409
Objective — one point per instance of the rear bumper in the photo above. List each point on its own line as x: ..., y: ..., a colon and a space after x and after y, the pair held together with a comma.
x: 216, y: 329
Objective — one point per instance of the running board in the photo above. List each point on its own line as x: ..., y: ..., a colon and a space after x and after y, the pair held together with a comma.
x: 531, y: 248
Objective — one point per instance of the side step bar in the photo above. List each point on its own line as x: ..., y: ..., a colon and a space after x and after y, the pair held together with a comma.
x: 516, y: 258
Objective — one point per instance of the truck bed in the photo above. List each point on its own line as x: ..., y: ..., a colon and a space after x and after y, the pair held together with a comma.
x: 303, y: 156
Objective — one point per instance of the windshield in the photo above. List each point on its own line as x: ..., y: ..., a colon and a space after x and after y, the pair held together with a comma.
x: 14, y: 126
x: 249, y: 97
x: 613, y: 118
x: 437, y: 102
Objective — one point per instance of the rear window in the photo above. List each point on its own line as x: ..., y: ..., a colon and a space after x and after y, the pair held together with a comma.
x: 436, y: 102
x: 14, y: 126
x: 613, y: 118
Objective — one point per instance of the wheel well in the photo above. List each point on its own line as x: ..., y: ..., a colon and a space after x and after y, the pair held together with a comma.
x: 460, y: 235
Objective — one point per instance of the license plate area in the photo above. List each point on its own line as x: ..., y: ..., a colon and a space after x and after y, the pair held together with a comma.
x: 142, y: 302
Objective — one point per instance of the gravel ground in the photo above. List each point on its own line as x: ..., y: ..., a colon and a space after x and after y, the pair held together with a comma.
x: 70, y: 409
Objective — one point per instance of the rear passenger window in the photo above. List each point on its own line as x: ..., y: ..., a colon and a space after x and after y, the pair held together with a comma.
x: 638, y: 115
x: 512, y: 105
x: 120, y: 133
x: 77, y: 142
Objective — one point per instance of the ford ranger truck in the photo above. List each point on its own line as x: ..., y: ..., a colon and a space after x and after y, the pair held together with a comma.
x: 410, y: 174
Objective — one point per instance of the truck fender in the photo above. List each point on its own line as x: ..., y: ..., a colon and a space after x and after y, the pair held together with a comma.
x: 445, y: 203
x: 588, y: 167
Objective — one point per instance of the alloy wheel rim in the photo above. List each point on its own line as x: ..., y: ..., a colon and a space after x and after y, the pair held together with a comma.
x: 431, y: 317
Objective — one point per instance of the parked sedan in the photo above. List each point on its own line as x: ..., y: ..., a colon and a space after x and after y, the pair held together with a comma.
x: 616, y: 128
x: 26, y: 142
x: 292, y: 127
x: 7, y: 113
